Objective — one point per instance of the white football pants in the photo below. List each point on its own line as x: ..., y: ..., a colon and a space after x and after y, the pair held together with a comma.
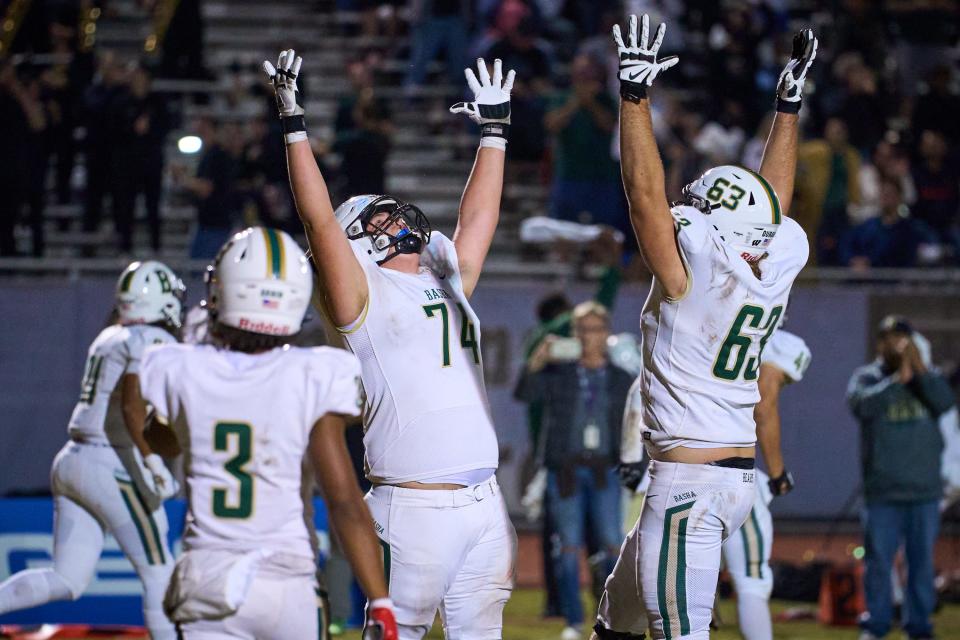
x: 452, y: 551
x: 747, y: 556
x: 666, y: 575
x: 95, y: 489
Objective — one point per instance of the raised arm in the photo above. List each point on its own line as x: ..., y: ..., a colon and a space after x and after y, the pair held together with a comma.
x: 340, y: 280
x: 480, y: 205
x: 640, y: 164
x: 779, y: 164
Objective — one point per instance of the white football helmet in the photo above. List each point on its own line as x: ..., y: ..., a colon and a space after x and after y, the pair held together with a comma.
x: 260, y: 282
x: 354, y: 217
x: 741, y: 205
x: 150, y: 292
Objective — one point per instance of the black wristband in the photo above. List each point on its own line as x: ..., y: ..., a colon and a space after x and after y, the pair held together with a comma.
x: 495, y: 130
x: 633, y: 91
x: 293, y: 124
x: 788, y: 107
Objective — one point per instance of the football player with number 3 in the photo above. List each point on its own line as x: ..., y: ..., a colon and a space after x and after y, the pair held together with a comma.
x: 246, y: 410
x: 399, y: 295
x: 724, y: 259
x: 106, y: 478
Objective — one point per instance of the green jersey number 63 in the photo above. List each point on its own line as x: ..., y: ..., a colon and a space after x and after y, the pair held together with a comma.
x: 732, y: 362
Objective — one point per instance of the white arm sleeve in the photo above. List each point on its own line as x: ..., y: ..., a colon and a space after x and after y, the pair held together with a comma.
x: 789, y: 353
x: 156, y: 381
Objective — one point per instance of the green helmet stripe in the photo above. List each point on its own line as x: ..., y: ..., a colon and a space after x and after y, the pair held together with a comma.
x: 274, y: 254
x: 774, y: 200
x: 127, y: 279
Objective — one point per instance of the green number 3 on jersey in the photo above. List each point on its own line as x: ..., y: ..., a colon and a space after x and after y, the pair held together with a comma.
x: 240, y: 506
x: 732, y: 361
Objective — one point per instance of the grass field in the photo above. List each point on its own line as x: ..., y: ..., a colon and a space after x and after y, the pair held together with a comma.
x: 522, y: 622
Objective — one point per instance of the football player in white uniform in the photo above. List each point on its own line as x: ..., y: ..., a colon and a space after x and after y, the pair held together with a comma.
x: 746, y: 553
x: 724, y: 260
x: 106, y: 478
x: 246, y: 410
x: 399, y: 295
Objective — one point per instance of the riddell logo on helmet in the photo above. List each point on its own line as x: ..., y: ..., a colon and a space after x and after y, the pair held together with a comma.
x: 268, y: 328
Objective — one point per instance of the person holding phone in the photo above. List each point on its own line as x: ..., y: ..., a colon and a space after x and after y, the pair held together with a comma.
x: 898, y: 400
x: 583, y: 395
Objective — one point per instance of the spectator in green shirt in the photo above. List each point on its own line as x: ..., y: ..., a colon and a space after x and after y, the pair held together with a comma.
x: 897, y: 400
x: 586, y: 178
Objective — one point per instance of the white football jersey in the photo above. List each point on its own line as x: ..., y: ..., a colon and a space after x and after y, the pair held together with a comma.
x: 418, y: 341
x: 702, y: 352
x: 115, y: 352
x: 244, y: 423
x: 789, y: 353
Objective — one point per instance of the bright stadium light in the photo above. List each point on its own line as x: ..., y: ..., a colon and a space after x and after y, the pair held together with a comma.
x: 189, y: 144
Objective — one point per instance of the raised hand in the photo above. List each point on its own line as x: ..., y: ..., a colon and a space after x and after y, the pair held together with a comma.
x: 491, y: 106
x: 289, y: 103
x: 639, y: 66
x: 790, y: 85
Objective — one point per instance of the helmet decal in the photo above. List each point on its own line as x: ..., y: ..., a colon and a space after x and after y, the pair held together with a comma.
x: 149, y: 292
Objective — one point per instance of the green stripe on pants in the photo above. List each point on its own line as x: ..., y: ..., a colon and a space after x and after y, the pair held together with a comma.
x: 759, y: 536
x: 153, y: 523
x: 386, y: 561
x: 672, y: 572
x: 138, y: 514
x: 752, y: 546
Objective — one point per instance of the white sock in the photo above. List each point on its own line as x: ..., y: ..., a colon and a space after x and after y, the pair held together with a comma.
x: 32, y: 588
x: 159, y: 625
x: 753, y: 612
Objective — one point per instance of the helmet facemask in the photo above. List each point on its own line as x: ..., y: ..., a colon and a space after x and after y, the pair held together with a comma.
x: 413, y: 234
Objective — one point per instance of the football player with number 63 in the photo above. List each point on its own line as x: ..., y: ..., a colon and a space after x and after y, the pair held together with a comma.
x: 724, y: 259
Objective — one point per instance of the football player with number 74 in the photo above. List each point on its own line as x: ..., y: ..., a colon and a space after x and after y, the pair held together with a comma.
x: 399, y: 295
x: 724, y: 259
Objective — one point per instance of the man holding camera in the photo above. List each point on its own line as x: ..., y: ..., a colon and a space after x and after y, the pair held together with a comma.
x: 583, y: 395
x: 897, y: 400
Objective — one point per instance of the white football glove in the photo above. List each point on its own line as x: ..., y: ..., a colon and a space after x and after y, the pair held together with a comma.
x: 790, y: 85
x: 159, y: 480
x: 638, y: 62
x: 491, y: 106
x: 284, y: 78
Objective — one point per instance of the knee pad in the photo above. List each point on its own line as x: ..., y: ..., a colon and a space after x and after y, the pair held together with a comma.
x: 606, y: 634
x: 755, y: 587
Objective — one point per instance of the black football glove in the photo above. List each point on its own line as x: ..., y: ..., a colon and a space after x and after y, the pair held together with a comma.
x: 631, y: 473
x: 782, y: 484
x: 790, y: 85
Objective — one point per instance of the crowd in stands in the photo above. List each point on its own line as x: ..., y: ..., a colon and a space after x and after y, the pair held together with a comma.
x: 878, y: 178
